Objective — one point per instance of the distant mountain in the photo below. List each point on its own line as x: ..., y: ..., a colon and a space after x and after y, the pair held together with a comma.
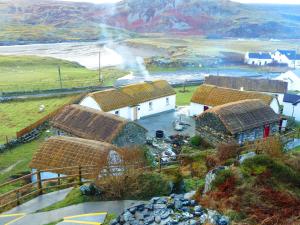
x: 52, y: 21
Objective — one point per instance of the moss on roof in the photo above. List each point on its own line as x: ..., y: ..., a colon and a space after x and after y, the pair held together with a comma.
x: 243, y: 115
x: 213, y: 96
x: 132, y: 94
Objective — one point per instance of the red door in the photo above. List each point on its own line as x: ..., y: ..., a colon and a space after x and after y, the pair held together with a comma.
x: 267, y: 131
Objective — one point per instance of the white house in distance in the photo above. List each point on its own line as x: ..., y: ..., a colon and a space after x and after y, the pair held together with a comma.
x: 258, y: 59
x: 134, y: 101
x: 208, y: 96
x: 292, y: 77
x: 289, y: 57
x: 291, y: 106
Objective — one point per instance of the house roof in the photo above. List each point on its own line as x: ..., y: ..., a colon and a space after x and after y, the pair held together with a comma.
x: 248, y: 84
x: 132, y: 94
x: 213, y: 96
x: 286, y: 52
x: 243, y: 115
x: 259, y: 55
x: 59, y: 152
x: 291, y: 98
x: 89, y: 123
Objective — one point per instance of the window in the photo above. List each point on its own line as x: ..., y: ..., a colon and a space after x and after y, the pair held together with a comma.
x: 150, y: 106
x: 167, y: 101
x: 117, y: 112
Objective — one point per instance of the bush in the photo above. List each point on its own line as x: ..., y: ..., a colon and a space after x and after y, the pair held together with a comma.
x: 193, y: 184
x: 227, y: 151
x: 261, y: 163
x: 198, y: 169
x: 221, y: 177
x: 196, y: 141
x: 134, y: 185
x: 271, y: 146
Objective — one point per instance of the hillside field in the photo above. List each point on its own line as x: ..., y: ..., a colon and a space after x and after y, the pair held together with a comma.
x: 17, y: 115
x: 27, y: 73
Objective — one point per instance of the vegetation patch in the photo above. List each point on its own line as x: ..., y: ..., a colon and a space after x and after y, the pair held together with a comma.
x: 184, y: 95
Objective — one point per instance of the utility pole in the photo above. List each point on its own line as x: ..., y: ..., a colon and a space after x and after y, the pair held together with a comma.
x: 59, y: 76
x: 100, y: 74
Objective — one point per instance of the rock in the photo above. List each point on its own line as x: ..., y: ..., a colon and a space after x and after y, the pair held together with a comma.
x: 132, y: 210
x: 159, y: 206
x: 193, y: 202
x: 157, y: 219
x: 128, y: 216
x: 177, y: 204
x: 149, y: 206
x: 198, y: 208
x: 203, y: 218
x: 223, y: 221
x: 248, y: 155
x: 149, y: 220
x: 114, y: 222
x: 189, y: 195
x: 185, y: 209
x: 187, y: 216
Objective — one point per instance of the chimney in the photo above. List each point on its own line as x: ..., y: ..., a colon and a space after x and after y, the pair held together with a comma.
x: 241, y: 88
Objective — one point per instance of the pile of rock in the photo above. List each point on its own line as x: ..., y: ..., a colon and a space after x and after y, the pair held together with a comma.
x: 172, y: 210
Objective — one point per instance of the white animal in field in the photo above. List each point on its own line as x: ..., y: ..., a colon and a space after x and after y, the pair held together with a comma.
x: 42, y: 108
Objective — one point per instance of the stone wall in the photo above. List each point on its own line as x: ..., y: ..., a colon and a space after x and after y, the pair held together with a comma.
x: 132, y: 134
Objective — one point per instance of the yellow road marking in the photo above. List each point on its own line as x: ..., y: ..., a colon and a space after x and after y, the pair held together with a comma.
x: 20, y: 216
x: 82, y: 222
x: 83, y: 215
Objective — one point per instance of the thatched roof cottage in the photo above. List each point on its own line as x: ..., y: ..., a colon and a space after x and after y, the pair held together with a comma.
x: 209, y: 96
x: 62, y: 155
x: 240, y: 121
x: 84, y: 122
x: 134, y: 101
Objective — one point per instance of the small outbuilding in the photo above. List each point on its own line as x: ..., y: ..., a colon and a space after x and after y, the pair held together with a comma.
x: 88, y: 123
x: 291, y: 106
x: 134, y: 101
x: 239, y: 121
x: 209, y: 96
x: 61, y: 155
x: 292, y: 77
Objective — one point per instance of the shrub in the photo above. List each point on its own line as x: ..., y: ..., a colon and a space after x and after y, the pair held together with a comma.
x: 193, y: 184
x: 271, y: 146
x: 261, y: 163
x: 227, y: 151
x: 196, y: 141
x: 198, y: 169
x: 221, y: 177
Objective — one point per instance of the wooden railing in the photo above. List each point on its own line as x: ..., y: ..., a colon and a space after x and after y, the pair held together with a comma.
x: 19, y: 190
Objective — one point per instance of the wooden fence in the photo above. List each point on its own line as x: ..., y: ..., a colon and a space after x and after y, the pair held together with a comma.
x: 19, y: 190
x: 41, y: 121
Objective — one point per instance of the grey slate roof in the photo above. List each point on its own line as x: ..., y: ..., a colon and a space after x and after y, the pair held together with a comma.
x: 291, y: 98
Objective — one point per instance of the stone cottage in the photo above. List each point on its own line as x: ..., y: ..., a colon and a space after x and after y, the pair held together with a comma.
x: 84, y: 122
x: 62, y: 152
x: 240, y: 121
x: 134, y: 101
x: 208, y: 96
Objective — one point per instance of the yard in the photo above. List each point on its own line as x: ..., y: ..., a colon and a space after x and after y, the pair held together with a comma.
x: 184, y: 98
x: 26, y: 73
x: 17, y: 115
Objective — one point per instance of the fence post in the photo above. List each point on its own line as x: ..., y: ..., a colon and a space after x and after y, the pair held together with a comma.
x: 58, y: 179
x: 79, y: 175
x: 18, y: 197
x: 39, y: 182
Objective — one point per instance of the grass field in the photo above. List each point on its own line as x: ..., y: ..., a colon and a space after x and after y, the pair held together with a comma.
x: 16, y: 161
x: 26, y: 73
x: 17, y: 115
x: 184, y: 98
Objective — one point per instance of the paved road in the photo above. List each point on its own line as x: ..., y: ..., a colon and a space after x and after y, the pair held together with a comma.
x: 25, y: 213
x: 90, y: 207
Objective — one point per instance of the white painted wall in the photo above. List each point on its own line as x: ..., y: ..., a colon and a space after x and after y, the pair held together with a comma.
x: 196, y: 109
x: 274, y: 105
x: 90, y: 102
x: 158, y: 105
x: 288, y: 110
x: 124, y: 112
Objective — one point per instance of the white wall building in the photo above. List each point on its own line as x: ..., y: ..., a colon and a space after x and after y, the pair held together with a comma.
x: 292, y: 77
x: 258, y: 59
x: 291, y: 106
x: 208, y: 96
x: 134, y: 101
x: 289, y: 57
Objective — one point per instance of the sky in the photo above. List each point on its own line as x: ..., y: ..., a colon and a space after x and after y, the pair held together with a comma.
x: 242, y: 1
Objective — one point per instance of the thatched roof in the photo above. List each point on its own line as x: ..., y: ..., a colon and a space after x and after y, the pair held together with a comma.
x: 213, y: 96
x: 243, y: 115
x: 132, y: 94
x: 89, y: 123
x: 58, y: 152
x: 248, y: 84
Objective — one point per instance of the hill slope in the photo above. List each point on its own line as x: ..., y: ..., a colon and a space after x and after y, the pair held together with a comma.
x: 48, y: 21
